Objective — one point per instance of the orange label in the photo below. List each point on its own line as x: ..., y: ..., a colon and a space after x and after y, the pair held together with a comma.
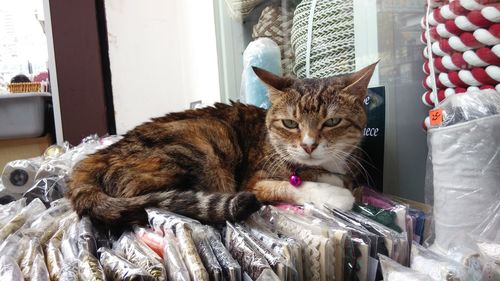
x: 436, y: 116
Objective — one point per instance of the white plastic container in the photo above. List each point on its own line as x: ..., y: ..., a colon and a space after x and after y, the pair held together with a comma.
x: 22, y: 115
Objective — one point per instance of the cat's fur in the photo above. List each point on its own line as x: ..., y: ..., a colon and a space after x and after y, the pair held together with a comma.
x: 218, y: 163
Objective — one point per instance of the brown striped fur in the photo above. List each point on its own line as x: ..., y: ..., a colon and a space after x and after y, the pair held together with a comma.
x: 218, y: 163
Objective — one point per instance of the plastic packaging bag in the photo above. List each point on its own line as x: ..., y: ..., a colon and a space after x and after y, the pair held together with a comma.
x: 463, y: 166
x: 154, y: 240
x: 69, y: 242
x: 206, y: 254
x: 31, y: 210
x: 188, y: 251
x: 394, y: 271
x: 164, y: 221
x: 230, y: 267
x: 86, y: 238
x: 54, y: 256
x: 141, y: 255
x: 89, y: 267
x: 27, y: 260
x: 280, y: 265
x: 251, y: 260
x: 7, y: 212
x: 438, y: 267
x: 118, y: 268
x: 319, y: 249
x: 176, y: 268
x: 38, y: 269
x: 69, y: 271
x: 286, y: 247
x: 9, y: 270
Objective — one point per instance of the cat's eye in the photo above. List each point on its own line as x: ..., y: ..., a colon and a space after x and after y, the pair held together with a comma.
x: 290, y: 124
x: 332, y: 122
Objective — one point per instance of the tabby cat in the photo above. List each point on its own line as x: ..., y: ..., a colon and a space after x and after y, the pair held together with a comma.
x: 219, y: 163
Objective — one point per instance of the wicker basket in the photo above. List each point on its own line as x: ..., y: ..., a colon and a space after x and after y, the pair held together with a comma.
x: 27, y: 87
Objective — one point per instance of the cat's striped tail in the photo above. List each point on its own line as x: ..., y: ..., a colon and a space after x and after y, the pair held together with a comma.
x: 92, y: 201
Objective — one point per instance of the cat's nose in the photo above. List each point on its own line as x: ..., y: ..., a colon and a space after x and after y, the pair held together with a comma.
x: 309, y: 148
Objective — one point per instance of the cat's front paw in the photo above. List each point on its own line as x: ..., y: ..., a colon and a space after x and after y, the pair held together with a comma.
x: 321, y: 194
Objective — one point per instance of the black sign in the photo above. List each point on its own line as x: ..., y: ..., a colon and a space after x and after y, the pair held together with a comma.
x: 372, y: 155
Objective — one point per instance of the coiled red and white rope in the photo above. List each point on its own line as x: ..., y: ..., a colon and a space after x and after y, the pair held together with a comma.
x: 462, y: 52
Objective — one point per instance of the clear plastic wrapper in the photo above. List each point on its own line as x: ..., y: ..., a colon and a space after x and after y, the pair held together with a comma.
x: 280, y: 265
x: 230, y: 267
x: 154, y: 240
x: 286, y: 247
x: 26, y: 262
x: 54, y: 256
x: 359, y: 246
x: 319, y: 249
x: 14, y: 246
x: 138, y: 253
x: 188, y: 251
x: 118, y: 268
x: 8, y: 211
x: 206, y: 254
x: 439, y: 268
x: 19, y: 175
x: 164, y: 221
x: 458, y: 109
x: 47, y: 189
x: 9, y: 270
x: 251, y: 260
x: 15, y: 223
x: 463, y: 168
x: 69, y: 242
x: 89, y: 267
x: 69, y: 271
x: 394, y: 271
x: 176, y: 268
x: 86, y: 238
x: 47, y: 223
x: 38, y: 269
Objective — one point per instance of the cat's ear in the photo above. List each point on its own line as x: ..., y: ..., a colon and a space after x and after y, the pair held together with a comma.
x: 274, y: 83
x: 357, y: 82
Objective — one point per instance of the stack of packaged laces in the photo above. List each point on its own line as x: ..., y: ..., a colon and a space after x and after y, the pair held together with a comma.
x: 42, y: 238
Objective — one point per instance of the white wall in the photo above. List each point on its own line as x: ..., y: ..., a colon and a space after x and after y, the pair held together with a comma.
x: 163, y: 56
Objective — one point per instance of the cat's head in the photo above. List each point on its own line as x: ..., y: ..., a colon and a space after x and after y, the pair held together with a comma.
x: 315, y: 122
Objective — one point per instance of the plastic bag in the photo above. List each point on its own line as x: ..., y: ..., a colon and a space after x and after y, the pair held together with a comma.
x: 31, y: 210
x: 141, y: 255
x: 89, y: 267
x: 7, y: 212
x: 188, y: 251
x: 438, y: 267
x: 38, y: 269
x: 164, y: 221
x: 394, y: 271
x: 9, y: 270
x: 458, y: 109
x: 280, y: 265
x: 86, y: 238
x: 118, y: 268
x: 154, y: 240
x: 230, y: 267
x: 286, y: 247
x: 69, y: 242
x: 464, y: 166
x: 176, y: 268
x: 26, y: 262
x: 206, y: 254
x: 69, y: 271
x: 251, y: 260
x: 319, y: 248
x: 54, y: 256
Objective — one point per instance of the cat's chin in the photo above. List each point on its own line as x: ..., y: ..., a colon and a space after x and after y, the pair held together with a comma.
x: 310, y: 161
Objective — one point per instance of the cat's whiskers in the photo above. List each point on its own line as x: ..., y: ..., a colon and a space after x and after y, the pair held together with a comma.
x: 351, y: 159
